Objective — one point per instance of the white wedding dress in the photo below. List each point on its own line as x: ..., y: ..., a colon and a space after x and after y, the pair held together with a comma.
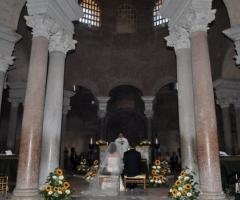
x: 108, y: 181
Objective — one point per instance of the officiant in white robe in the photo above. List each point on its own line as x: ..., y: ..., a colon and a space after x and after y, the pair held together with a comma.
x: 122, y: 144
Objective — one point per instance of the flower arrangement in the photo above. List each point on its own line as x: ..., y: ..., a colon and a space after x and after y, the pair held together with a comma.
x: 101, y: 142
x: 145, y: 143
x: 185, y: 187
x: 56, y: 187
x: 82, y: 167
x: 159, y: 172
x: 92, y: 171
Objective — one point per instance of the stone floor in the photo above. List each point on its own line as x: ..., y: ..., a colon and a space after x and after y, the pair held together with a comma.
x: 80, y: 185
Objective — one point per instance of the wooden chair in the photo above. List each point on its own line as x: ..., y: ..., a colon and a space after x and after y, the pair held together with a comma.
x: 139, y: 179
x: 3, y: 186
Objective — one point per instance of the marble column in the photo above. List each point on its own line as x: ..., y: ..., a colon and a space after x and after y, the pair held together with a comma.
x: 224, y: 104
x: 16, y: 96
x: 29, y: 154
x: 205, y: 116
x: 67, y: 94
x: 102, y: 100
x: 148, y: 101
x: 179, y: 39
x: 60, y: 44
x: 237, y: 115
x: 11, y: 138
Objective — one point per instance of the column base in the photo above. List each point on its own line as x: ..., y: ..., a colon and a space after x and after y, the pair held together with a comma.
x: 26, y: 194
x: 212, y: 196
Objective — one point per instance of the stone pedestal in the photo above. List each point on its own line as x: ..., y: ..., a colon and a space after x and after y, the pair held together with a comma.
x: 145, y: 153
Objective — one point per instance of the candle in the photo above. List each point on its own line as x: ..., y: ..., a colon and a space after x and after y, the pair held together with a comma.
x: 91, y: 140
x: 74, y: 88
x: 156, y: 141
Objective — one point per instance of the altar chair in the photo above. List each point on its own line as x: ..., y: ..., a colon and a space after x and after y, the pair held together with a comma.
x: 139, y: 179
x: 3, y: 186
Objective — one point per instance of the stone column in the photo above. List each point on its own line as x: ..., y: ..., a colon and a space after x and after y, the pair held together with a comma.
x: 59, y: 45
x: 103, y: 100
x: 237, y: 115
x: 67, y: 94
x: 11, y: 137
x: 29, y: 155
x: 224, y: 104
x: 179, y: 39
x: 16, y: 96
x: 205, y: 116
x: 148, y: 101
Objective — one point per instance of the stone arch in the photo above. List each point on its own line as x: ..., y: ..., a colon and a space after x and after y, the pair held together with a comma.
x: 89, y: 85
x: 130, y: 82
x: 10, y: 12
x: 161, y: 83
x: 233, y: 9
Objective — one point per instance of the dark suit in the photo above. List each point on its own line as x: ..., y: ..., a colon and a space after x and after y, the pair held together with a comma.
x: 132, y: 163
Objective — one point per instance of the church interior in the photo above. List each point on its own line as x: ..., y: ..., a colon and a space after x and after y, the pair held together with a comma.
x: 76, y: 72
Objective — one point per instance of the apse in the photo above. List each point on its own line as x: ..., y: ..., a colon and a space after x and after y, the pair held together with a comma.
x: 125, y: 113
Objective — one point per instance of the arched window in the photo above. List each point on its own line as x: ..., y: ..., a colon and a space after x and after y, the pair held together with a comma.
x: 157, y: 19
x: 91, y: 13
x: 126, y: 18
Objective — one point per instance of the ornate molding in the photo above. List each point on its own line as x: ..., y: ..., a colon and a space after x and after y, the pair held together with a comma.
x: 67, y: 94
x: 194, y: 15
x: 178, y: 38
x: 223, y: 102
x: 234, y: 34
x: 62, y: 42
x: 63, y: 12
x: 5, y: 62
x: 42, y: 25
x: 199, y: 19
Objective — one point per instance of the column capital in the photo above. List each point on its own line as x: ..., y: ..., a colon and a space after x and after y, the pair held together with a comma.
x: 42, y: 25
x: 223, y: 102
x: 148, y: 102
x: 102, y: 100
x: 198, y: 20
x: 67, y: 94
x: 5, y: 61
x: 234, y: 34
x: 62, y: 42
x: 178, y: 38
x: 16, y: 92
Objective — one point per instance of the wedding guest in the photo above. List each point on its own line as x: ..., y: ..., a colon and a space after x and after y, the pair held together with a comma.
x: 122, y: 144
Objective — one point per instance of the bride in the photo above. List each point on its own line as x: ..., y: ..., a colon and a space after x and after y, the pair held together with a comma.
x: 107, y: 182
